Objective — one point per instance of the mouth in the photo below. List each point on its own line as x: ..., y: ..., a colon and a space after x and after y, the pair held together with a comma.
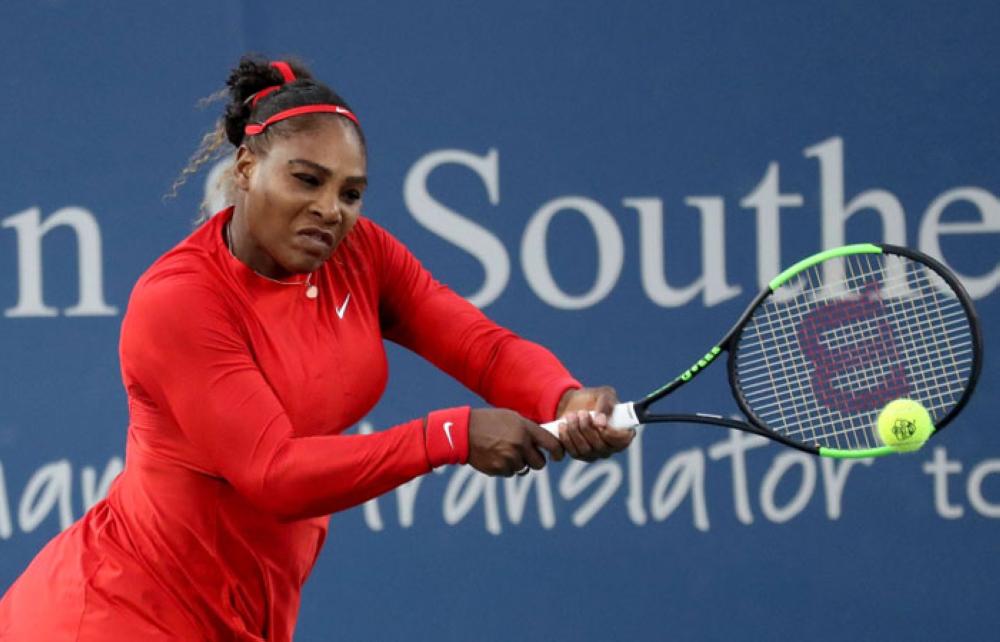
x: 320, y: 241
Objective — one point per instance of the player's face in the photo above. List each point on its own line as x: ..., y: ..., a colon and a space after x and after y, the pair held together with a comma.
x: 300, y: 198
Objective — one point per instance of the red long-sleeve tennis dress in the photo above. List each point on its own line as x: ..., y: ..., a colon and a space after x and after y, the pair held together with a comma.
x: 238, y: 388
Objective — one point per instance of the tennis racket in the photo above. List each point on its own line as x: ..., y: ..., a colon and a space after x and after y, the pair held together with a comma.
x: 830, y: 342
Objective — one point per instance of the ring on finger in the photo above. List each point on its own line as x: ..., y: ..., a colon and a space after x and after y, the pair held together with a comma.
x: 524, y: 471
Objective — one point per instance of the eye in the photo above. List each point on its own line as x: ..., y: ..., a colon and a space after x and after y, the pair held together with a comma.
x: 308, y: 179
x: 352, y: 195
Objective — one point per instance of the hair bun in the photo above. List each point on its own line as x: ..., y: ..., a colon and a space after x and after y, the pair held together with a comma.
x: 252, y: 74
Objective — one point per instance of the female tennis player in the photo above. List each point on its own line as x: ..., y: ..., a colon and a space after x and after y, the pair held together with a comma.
x: 245, y: 352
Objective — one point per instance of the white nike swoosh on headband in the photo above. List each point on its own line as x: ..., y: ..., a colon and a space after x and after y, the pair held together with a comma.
x: 447, y: 433
x: 343, y: 306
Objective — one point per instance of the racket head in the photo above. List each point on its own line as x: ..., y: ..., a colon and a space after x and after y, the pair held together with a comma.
x: 839, y: 335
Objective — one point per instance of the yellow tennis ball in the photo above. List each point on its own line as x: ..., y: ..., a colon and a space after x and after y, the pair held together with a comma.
x: 904, y: 425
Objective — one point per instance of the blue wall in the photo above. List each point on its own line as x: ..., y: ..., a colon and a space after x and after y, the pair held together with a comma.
x: 694, y: 114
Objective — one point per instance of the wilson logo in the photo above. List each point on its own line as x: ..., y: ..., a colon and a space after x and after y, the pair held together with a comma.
x: 701, y: 363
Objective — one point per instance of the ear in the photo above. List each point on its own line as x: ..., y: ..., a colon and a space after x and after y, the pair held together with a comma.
x: 243, y: 168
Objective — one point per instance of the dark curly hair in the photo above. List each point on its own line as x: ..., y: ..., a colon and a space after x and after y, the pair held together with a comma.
x: 251, y: 75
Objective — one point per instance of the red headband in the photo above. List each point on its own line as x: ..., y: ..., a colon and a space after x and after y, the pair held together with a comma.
x: 253, y: 129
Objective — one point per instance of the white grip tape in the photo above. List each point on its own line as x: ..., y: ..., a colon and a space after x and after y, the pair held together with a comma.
x: 623, y: 416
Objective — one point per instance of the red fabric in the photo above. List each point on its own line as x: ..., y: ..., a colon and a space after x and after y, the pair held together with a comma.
x: 286, y: 73
x: 256, y: 128
x: 287, y: 76
x: 238, y: 390
x: 446, y: 435
x: 285, y: 69
x: 266, y: 91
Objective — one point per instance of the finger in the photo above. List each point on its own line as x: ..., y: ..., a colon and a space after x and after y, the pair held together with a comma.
x: 544, y: 439
x: 512, y: 465
x: 533, y: 457
x: 617, y: 438
x: 591, y: 433
x: 580, y: 443
x: 600, y: 426
x: 567, y: 441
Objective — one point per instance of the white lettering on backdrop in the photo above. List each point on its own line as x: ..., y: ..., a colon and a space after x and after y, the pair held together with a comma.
x: 49, y: 490
x: 785, y: 489
x: 30, y: 232
x: 766, y: 200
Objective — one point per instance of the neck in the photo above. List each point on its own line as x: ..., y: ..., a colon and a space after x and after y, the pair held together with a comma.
x: 243, y: 247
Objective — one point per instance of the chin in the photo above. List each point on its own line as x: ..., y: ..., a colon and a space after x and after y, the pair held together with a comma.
x: 305, y: 263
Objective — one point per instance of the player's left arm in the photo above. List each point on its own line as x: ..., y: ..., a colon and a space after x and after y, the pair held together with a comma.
x: 508, y: 371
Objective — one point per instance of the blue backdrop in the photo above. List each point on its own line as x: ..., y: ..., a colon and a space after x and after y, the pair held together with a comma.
x: 593, y: 175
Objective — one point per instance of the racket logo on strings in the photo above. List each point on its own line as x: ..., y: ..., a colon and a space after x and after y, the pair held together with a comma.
x: 853, y: 356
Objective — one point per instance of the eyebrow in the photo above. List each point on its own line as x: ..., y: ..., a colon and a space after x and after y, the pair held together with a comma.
x: 326, y: 171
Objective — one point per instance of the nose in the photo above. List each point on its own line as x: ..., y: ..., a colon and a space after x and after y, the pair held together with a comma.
x: 328, y: 211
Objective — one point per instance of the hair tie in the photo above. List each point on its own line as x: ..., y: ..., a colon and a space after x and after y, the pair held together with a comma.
x: 285, y: 69
x: 287, y: 75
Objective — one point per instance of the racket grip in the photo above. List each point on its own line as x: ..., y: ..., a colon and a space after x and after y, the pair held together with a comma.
x: 623, y: 416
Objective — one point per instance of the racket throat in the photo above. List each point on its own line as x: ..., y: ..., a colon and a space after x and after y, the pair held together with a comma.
x: 625, y: 415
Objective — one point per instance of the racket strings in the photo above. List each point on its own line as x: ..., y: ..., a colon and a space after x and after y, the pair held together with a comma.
x: 818, y: 359
x: 921, y: 336
x: 867, y: 377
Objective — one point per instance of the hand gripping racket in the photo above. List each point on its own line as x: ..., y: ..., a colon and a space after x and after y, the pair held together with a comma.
x: 830, y: 342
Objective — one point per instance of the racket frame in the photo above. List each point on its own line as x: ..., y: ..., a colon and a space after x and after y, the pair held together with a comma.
x: 729, y: 341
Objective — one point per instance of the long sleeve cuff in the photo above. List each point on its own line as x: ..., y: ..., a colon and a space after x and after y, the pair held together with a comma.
x: 446, y: 436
